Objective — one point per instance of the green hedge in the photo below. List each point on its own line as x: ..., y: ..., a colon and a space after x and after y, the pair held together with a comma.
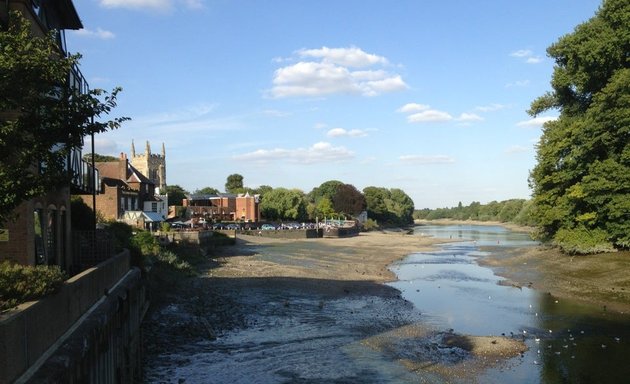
x: 21, y: 283
x: 583, y: 241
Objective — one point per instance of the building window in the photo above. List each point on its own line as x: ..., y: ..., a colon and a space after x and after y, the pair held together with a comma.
x: 154, y: 207
x: 38, y: 226
x: 51, y: 236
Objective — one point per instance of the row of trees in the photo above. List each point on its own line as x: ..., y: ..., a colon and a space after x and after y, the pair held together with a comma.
x: 517, y: 211
x: 331, y: 199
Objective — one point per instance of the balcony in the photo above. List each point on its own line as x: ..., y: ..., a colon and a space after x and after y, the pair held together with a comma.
x: 85, y: 177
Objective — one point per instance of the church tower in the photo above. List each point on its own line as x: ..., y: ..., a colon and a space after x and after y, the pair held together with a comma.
x: 151, y: 165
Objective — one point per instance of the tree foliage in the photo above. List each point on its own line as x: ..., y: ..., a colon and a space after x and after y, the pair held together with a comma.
x: 283, y: 204
x: 176, y: 194
x: 517, y: 211
x: 234, y: 183
x: 389, y: 206
x: 42, y: 118
x: 581, y: 182
x: 348, y: 200
x: 98, y: 158
x: 206, y: 191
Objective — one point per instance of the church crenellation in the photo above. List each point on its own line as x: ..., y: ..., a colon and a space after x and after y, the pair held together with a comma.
x: 152, y: 165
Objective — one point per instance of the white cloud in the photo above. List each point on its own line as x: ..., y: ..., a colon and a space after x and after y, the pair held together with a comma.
x: 98, y: 34
x: 490, y: 108
x: 154, y: 5
x: 469, y: 117
x: 422, y: 113
x: 534, y: 60
x: 429, y: 115
x: 340, y: 132
x: 194, y: 4
x: 413, y: 107
x: 101, y: 146
x: 536, y: 122
x: 333, y: 74
x: 521, y: 53
x: 321, y: 152
x: 423, y: 159
x: 347, y: 57
x: 527, y: 55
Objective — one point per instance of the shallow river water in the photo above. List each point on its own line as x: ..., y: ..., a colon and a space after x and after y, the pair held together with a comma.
x: 568, y: 342
x: 284, y: 330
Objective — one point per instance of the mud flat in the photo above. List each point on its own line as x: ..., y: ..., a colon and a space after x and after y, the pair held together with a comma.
x: 310, y: 310
x: 601, y: 280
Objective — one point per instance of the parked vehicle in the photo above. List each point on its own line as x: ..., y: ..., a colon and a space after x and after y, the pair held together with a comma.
x: 268, y: 227
x: 232, y: 226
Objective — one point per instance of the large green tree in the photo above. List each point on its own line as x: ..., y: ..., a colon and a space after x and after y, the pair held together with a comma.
x: 206, y: 191
x: 283, y: 204
x: 176, y: 194
x: 349, y: 200
x: 581, y: 182
x: 389, y: 206
x: 234, y: 183
x: 42, y: 117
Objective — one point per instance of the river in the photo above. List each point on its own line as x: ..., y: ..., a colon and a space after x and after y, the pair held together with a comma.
x: 567, y: 342
x: 287, y: 330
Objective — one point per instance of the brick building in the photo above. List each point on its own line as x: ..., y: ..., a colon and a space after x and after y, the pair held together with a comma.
x: 224, y: 207
x: 41, y: 233
x: 128, y: 195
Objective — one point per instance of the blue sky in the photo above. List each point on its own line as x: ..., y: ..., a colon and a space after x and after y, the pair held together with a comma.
x: 427, y: 96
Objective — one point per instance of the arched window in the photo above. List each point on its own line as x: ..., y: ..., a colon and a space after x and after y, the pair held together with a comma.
x: 38, y: 228
x: 52, y: 231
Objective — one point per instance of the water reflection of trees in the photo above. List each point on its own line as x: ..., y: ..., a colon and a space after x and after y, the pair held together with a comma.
x: 585, y: 345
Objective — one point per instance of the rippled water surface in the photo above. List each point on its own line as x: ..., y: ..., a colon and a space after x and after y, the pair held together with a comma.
x: 567, y: 342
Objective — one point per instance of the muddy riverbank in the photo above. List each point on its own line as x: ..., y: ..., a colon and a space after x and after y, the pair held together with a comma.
x: 312, y: 310
x: 319, y: 311
x: 601, y: 280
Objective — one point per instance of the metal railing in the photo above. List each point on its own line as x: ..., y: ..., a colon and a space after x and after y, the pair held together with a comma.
x: 89, y: 248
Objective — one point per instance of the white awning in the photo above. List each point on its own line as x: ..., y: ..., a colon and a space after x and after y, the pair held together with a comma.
x: 152, y: 217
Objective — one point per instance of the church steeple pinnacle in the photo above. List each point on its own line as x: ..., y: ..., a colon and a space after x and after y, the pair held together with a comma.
x: 148, y: 151
x: 133, y: 150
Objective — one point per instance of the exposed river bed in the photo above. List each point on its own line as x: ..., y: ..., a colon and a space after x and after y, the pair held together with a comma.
x: 302, y: 330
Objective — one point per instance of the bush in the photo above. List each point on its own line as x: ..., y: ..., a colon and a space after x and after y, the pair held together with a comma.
x: 146, y: 243
x: 173, y: 261
x: 370, y: 225
x: 121, y: 233
x: 21, y: 283
x: 583, y: 241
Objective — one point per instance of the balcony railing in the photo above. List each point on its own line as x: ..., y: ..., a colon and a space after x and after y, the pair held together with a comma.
x: 85, y: 177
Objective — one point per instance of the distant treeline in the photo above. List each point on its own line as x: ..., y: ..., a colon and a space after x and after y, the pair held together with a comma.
x: 517, y: 211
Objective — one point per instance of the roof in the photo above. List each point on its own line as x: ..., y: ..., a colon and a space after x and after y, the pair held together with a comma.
x: 146, y: 216
x: 152, y: 216
x: 210, y: 197
x: 109, y: 169
x: 135, y: 176
x: 62, y: 13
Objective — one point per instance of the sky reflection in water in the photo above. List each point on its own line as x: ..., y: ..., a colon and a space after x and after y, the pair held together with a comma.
x: 567, y: 342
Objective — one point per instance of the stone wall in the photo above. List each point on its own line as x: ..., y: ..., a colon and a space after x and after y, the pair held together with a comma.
x: 28, y: 333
